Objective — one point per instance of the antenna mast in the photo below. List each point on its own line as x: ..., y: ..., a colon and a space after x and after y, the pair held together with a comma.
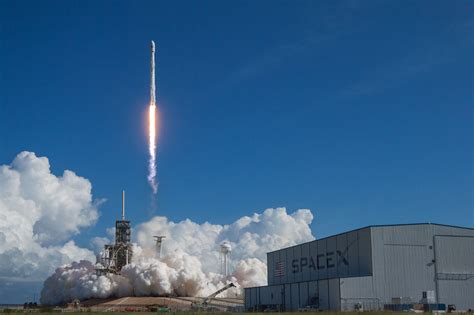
x: 123, y: 205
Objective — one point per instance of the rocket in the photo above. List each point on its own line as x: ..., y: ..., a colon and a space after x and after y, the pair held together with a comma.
x: 152, y: 123
x: 152, y: 75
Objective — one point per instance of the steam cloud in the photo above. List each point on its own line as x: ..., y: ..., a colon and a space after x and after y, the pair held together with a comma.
x: 35, y: 225
x: 189, y: 264
x: 36, y: 230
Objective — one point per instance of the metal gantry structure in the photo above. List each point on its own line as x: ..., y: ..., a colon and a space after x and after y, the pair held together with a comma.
x: 204, y: 304
x: 115, y: 256
x: 213, y: 295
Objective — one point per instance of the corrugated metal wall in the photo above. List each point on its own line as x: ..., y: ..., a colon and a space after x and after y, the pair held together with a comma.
x: 344, y: 255
x: 372, y: 266
x: 292, y: 296
x: 406, y: 258
x: 455, y: 270
x: 358, y: 290
x: 404, y: 262
x: 323, y: 288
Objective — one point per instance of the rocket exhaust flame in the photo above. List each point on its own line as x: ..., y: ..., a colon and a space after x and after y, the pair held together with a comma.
x: 152, y: 125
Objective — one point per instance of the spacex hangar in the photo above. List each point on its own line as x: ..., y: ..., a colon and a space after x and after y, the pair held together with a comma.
x: 371, y: 268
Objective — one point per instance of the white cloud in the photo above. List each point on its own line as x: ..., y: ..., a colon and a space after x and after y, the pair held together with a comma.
x: 79, y: 281
x: 98, y: 243
x: 36, y: 208
x: 190, y: 262
x: 251, y: 272
x: 250, y: 237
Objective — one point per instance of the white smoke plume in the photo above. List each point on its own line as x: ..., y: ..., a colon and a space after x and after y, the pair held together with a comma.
x: 189, y: 266
x: 36, y: 208
x: 36, y: 230
x: 152, y: 148
x: 250, y: 237
x: 82, y: 282
x: 251, y: 272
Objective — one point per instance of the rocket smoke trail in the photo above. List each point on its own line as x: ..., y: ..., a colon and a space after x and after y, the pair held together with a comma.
x: 152, y: 125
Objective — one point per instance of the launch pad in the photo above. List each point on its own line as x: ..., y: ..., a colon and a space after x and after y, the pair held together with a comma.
x: 159, y: 304
x: 115, y: 256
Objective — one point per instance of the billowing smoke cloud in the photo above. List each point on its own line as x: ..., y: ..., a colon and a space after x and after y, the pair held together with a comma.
x: 250, y: 237
x: 82, y: 282
x: 251, y: 272
x: 189, y: 266
x: 36, y: 230
x: 36, y: 208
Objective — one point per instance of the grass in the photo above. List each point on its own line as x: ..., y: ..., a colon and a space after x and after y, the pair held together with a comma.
x: 211, y: 313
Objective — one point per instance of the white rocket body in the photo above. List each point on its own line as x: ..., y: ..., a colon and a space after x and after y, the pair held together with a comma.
x: 152, y: 124
x: 152, y: 74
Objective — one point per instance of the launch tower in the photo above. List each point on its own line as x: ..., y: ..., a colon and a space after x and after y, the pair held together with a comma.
x: 115, y: 256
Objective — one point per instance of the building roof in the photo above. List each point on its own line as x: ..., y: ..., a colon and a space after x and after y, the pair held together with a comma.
x: 376, y: 226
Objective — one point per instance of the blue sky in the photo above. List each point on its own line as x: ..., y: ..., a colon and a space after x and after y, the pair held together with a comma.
x: 359, y: 111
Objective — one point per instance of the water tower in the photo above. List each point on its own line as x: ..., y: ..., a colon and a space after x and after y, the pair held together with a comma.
x: 224, y: 253
x: 159, y: 242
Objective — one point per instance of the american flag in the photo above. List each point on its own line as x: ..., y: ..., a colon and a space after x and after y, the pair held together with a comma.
x: 279, y: 269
